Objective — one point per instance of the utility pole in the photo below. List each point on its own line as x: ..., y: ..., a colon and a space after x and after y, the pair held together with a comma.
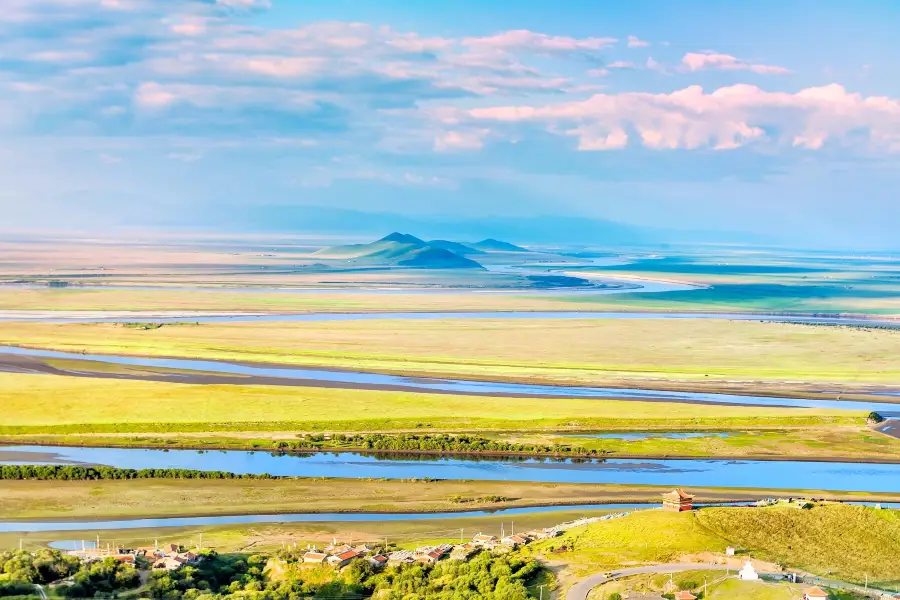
x: 704, y: 586
x: 460, y: 535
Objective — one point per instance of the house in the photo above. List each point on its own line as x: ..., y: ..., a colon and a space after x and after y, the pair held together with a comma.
x: 432, y: 554
x: 168, y: 563
x: 379, y: 561
x: 124, y: 558
x: 484, y: 540
x: 336, y: 549
x: 677, y: 501
x: 316, y: 558
x: 514, y: 541
x: 814, y: 593
x: 401, y: 557
x: 462, y: 551
x: 684, y: 595
x: 729, y: 551
x: 342, y: 559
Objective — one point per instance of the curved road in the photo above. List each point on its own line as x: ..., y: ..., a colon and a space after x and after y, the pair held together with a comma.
x: 580, y: 590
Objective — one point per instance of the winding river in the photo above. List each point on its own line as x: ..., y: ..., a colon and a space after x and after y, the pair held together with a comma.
x: 276, y: 374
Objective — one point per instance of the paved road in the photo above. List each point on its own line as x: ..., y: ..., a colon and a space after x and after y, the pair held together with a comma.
x: 580, y: 590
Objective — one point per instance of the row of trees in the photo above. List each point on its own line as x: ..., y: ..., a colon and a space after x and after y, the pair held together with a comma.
x: 431, y: 443
x: 80, y: 473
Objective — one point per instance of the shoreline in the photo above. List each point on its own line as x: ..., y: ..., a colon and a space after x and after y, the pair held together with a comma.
x: 4, y: 442
x: 199, y: 377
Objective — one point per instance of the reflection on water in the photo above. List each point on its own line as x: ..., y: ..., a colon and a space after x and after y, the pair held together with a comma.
x: 687, y: 473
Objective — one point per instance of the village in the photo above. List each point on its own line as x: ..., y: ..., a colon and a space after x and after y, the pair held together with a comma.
x: 338, y: 555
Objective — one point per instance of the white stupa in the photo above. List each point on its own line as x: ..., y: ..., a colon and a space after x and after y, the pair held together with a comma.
x: 748, y: 573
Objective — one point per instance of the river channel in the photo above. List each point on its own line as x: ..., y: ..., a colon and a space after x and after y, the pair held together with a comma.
x: 276, y: 374
x: 832, y: 476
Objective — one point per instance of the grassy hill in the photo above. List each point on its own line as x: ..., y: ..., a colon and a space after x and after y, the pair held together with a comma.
x: 404, y: 250
x: 832, y: 540
x: 456, y: 247
x: 845, y: 542
x: 492, y: 245
x: 436, y: 258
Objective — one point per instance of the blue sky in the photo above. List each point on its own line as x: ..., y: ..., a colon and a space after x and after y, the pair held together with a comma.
x: 774, y: 118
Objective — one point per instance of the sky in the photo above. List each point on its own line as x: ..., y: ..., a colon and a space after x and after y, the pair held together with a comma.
x: 776, y: 119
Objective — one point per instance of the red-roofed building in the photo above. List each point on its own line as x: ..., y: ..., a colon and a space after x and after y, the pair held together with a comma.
x: 677, y: 501
x: 814, y: 593
x: 684, y: 595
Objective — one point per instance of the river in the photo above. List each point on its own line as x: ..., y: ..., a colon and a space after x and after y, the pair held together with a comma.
x: 354, y: 379
x: 833, y: 476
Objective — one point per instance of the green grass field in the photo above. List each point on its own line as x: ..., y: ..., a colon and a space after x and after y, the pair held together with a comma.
x: 843, y: 542
x: 840, y: 541
x: 657, y: 352
x: 54, y: 404
x: 146, y: 498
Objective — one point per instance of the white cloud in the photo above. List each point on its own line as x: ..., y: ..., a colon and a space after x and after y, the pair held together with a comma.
x: 620, y: 64
x: 698, y: 61
x: 636, y: 42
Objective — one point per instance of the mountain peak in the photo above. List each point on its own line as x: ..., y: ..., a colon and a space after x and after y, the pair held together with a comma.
x: 402, y: 238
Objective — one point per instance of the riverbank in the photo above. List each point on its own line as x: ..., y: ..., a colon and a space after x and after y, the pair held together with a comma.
x: 705, y: 355
x: 163, y: 498
x: 846, y: 444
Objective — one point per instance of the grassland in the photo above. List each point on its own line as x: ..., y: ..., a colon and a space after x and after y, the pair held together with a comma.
x: 54, y: 404
x: 660, y: 352
x: 841, y: 541
x: 145, y: 498
x: 271, y: 537
x: 844, y: 542
x: 734, y: 297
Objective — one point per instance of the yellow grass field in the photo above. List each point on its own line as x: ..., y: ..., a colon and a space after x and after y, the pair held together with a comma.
x: 698, y: 352
x: 45, y: 402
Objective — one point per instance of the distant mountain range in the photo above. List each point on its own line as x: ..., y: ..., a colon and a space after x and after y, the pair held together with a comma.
x: 405, y: 250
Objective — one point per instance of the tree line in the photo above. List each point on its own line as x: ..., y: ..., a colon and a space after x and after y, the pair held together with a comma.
x: 446, y: 443
x: 82, y: 473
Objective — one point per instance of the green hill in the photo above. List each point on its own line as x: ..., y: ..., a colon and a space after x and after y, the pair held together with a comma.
x: 455, y: 247
x: 436, y: 258
x: 841, y: 541
x: 404, y: 250
x: 492, y: 245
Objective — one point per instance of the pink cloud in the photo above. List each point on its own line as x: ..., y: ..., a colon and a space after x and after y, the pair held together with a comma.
x: 699, y: 61
x: 522, y: 39
x: 636, y: 42
x: 727, y: 118
x: 620, y: 64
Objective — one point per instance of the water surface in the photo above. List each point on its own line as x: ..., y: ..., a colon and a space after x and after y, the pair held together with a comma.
x: 833, y: 476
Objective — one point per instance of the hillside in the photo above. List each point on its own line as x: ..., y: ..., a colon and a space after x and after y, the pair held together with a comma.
x: 436, y: 258
x: 843, y: 541
x: 405, y: 250
x: 850, y: 542
x: 492, y: 245
x: 455, y: 247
